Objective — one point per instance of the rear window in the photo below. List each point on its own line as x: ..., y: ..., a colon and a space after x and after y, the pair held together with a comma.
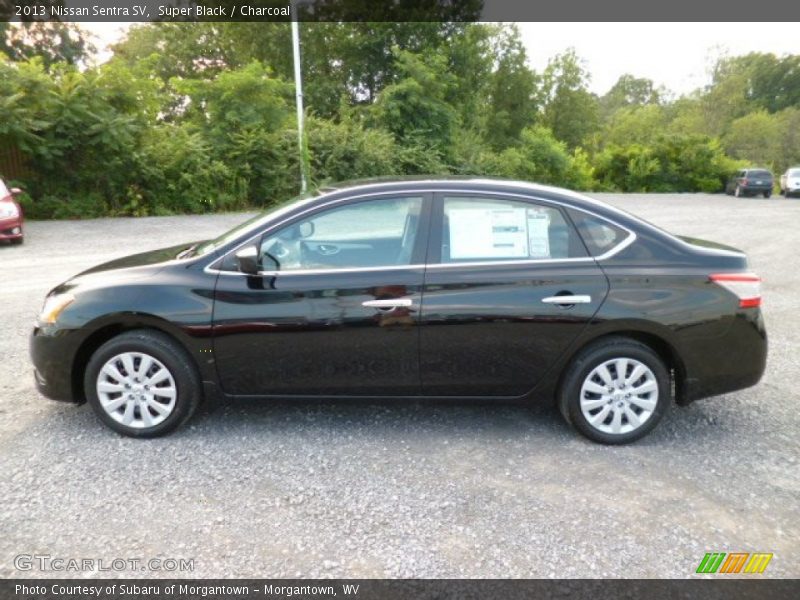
x: 759, y: 173
x: 599, y: 235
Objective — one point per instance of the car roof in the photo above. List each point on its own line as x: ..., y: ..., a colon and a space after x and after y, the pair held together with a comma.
x: 464, y: 184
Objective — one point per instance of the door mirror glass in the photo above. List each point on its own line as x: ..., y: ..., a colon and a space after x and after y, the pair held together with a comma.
x: 306, y: 229
x: 247, y: 260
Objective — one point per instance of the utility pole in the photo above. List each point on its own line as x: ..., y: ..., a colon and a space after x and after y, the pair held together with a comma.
x: 298, y: 87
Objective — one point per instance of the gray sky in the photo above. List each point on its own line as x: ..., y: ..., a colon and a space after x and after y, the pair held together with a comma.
x: 677, y: 55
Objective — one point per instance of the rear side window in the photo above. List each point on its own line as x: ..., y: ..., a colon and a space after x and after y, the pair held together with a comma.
x: 599, y: 235
x: 495, y: 229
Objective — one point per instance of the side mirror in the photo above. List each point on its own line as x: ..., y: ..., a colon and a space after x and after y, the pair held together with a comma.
x: 15, y: 191
x: 306, y: 229
x: 247, y: 259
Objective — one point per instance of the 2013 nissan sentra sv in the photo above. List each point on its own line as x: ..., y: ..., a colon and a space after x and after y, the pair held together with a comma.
x: 412, y: 289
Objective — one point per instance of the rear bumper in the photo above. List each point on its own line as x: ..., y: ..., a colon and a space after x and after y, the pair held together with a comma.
x: 734, y: 361
x: 756, y: 189
x: 792, y: 190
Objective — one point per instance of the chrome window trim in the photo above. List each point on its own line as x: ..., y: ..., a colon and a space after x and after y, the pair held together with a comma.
x: 377, y: 194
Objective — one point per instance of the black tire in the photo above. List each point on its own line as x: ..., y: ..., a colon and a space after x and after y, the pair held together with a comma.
x: 18, y: 241
x: 171, y: 355
x: 594, y: 355
x: 767, y: 194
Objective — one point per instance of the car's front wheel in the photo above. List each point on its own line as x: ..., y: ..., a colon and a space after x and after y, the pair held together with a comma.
x: 615, y: 391
x: 142, y: 384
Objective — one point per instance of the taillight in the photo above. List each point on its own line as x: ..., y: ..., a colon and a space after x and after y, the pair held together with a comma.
x: 746, y: 286
x: 744, y: 181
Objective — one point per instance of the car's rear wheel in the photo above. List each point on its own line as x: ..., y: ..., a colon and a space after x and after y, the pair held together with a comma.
x: 616, y: 391
x: 142, y: 384
x: 767, y: 194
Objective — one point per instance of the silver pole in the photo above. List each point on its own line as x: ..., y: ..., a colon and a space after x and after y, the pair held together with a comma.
x: 298, y: 86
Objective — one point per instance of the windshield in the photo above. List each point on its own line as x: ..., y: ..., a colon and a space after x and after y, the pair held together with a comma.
x: 250, y: 225
x: 794, y: 172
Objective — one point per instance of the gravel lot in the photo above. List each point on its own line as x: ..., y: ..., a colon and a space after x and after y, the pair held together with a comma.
x: 387, y: 489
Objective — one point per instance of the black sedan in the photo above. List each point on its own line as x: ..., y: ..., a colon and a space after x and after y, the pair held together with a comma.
x: 412, y: 289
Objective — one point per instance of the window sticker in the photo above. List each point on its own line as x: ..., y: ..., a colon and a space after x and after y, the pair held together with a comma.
x: 538, y: 233
x: 502, y: 232
x: 488, y: 233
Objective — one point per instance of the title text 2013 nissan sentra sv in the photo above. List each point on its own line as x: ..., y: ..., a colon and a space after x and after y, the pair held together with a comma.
x: 412, y: 289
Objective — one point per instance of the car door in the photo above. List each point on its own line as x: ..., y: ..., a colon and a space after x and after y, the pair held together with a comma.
x: 335, y: 308
x: 509, y: 286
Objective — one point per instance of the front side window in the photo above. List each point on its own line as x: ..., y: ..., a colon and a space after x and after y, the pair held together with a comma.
x: 484, y: 229
x: 372, y: 233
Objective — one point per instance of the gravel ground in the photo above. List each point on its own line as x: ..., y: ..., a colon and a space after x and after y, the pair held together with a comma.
x: 387, y: 489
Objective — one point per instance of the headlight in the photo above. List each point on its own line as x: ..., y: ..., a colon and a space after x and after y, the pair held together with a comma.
x: 8, y: 210
x: 54, y: 306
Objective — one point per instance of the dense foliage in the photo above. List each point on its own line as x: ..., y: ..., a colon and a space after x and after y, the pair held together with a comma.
x: 199, y: 117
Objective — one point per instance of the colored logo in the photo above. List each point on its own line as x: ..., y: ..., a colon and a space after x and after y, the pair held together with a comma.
x: 735, y: 562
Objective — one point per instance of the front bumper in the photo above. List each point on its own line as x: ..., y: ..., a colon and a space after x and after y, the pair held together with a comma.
x: 11, y: 229
x: 52, y: 353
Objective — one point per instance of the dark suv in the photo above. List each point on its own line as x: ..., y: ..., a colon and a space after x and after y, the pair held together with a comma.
x: 750, y: 182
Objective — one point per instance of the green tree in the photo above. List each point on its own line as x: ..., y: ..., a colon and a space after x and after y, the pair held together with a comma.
x: 52, y: 42
x: 629, y: 91
x: 755, y: 138
x: 415, y: 109
x: 570, y: 110
x: 513, y: 101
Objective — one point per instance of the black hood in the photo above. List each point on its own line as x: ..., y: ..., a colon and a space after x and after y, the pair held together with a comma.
x: 127, y: 268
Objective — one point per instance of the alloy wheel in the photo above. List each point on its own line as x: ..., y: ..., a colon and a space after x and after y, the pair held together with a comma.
x: 136, y: 390
x: 619, y: 395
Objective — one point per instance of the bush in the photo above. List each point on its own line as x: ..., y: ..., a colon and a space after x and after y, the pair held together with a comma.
x: 341, y: 151
x: 76, y: 206
x: 541, y: 158
x: 670, y: 164
x: 177, y: 173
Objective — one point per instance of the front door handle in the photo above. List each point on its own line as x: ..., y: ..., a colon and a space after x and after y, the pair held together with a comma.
x: 580, y: 299
x: 388, y: 303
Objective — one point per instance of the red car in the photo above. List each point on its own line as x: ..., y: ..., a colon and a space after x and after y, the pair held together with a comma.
x: 10, y: 215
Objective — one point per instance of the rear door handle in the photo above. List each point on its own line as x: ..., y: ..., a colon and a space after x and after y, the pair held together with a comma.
x: 580, y: 299
x: 388, y: 303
